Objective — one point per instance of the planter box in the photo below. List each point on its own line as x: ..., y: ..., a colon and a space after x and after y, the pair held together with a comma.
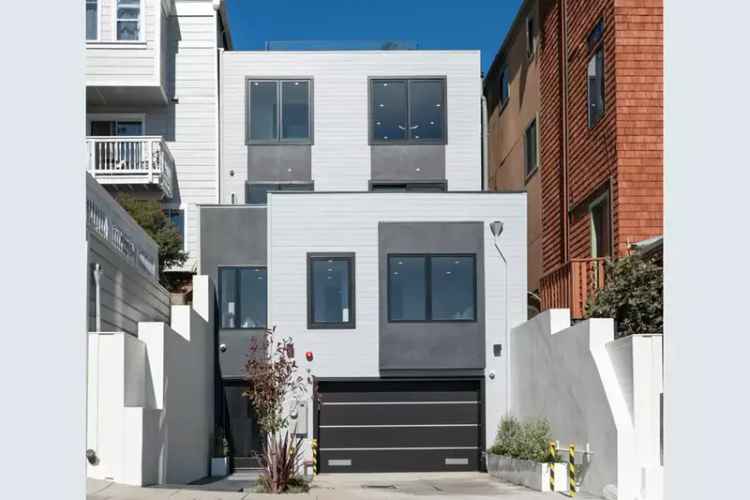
x: 219, y: 466
x: 533, y: 475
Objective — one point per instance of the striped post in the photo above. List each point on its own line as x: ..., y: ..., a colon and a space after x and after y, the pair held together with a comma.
x: 315, y: 456
x: 552, y: 456
x: 572, y: 470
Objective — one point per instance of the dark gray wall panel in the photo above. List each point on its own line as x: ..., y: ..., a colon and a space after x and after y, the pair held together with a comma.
x: 413, y: 162
x: 435, y: 414
x: 431, y: 345
x: 278, y: 163
x: 388, y: 437
x: 237, y: 342
x: 398, y: 461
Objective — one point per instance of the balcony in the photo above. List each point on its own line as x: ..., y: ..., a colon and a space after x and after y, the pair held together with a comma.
x: 570, y: 285
x: 141, y: 163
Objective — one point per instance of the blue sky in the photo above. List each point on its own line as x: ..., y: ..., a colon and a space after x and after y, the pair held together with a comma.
x: 433, y: 24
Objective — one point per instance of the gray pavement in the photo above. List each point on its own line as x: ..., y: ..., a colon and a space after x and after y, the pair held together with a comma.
x: 414, y: 486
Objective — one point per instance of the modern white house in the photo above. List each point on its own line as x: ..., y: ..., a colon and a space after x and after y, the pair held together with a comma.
x: 152, y: 102
x: 352, y: 219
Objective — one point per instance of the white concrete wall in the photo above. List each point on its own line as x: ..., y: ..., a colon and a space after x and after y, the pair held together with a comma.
x: 341, y: 153
x: 594, y: 390
x: 150, y: 406
x: 301, y: 223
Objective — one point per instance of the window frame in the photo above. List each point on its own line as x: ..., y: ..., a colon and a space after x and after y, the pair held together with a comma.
x: 98, y: 20
x: 428, y: 287
x: 168, y: 211
x: 279, y: 111
x: 528, y: 173
x: 350, y: 257
x: 530, y: 37
x: 141, y: 23
x: 372, y: 141
x: 503, y: 77
x: 595, y: 44
x: 238, y: 305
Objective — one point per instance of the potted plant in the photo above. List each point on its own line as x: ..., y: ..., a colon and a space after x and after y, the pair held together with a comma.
x: 220, y: 454
x: 521, y: 455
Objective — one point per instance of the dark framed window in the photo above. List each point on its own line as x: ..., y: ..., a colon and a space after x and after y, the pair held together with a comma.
x: 601, y: 232
x: 279, y: 111
x: 408, y: 111
x: 411, y: 187
x: 432, y: 287
x: 243, y: 297
x: 256, y: 193
x: 330, y: 290
x: 595, y: 74
x: 92, y: 19
x: 530, y: 38
x: 504, y: 86
x: 531, y: 152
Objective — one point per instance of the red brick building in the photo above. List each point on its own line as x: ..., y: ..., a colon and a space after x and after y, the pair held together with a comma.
x: 599, y: 67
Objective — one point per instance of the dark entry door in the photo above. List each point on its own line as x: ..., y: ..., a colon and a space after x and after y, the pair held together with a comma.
x: 399, y: 426
x: 244, y: 435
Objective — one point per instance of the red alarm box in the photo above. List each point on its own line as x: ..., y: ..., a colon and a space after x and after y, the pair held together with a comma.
x: 309, y: 355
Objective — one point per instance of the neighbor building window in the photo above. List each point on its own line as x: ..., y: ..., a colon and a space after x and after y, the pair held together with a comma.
x: 504, y: 86
x: 431, y: 288
x: 531, y: 152
x: 601, y: 234
x: 595, y: 74
x: 128, y: 19
x: 92, y: 19
x: 330, y: 290
x: 243, y: 297
x: 177, y: 218
x: 256, y: 193
x: 407, y: 111
x: 530, y: 40
x: 279, y: 111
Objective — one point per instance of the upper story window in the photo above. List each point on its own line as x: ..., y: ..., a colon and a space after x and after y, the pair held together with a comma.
x: 243, y: 297
x: 432, y: 288
x: 279, y: 111
x: 129, y: 19
x: 92, y: 19
x: 330, y: 290
x: 504, y: 86
x: 407, y: 111
x: 530, y: 38
x: 531, y: 151
x: 595, y: 74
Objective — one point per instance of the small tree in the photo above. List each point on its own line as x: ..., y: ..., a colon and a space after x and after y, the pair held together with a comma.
x: 273, y: 380
x: 633, y: 294
x: 149, y: 215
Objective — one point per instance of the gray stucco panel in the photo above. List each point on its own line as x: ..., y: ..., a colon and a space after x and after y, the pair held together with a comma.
x: 278, y: 163
x: 429, y: 346
x: 408, y: 162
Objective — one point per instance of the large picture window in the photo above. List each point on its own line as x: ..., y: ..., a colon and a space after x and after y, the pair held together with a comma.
x: 129, y: 20
x: 407, y: 111
x: 243, y: 297
x: 279, y: 111
x: 432, y: 288
x: 330, y: 290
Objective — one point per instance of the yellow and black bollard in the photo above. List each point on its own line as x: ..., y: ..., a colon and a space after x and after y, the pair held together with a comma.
x: 552, y: 457
x: 572, y: 470
x: 315, y: 456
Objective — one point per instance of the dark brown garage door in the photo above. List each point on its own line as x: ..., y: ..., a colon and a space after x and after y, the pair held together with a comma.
x: 392, y: 426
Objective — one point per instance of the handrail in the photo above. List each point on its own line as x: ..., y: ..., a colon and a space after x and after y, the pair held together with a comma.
x: 571, y: 284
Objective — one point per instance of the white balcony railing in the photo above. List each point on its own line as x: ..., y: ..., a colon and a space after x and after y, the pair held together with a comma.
x: 131, y: 160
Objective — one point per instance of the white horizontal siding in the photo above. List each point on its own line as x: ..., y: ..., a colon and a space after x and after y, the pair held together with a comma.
x: 341, y: 154
x: 348, y: 222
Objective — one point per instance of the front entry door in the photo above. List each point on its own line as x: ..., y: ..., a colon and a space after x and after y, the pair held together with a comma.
x: 243, y: 433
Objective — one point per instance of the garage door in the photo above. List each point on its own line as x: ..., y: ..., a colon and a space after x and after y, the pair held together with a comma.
x: 392, y: 426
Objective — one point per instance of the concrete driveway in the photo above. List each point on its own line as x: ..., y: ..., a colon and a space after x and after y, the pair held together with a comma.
x: 422, y: 486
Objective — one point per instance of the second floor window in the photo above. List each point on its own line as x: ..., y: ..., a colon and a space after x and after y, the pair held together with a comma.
x: 92, y: 19
x: 504, y: 86
x: 425, y: 288
x: 595, y: 74
x: 330, y: 290
x: 279, y: 111
x: 129, y: 20
x: 531, y: 152
x: 407, y: 111
x: 243, y: 297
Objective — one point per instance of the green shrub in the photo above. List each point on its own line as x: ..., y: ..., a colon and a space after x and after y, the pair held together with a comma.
x: 632, y: 295
x: 526, y: 441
